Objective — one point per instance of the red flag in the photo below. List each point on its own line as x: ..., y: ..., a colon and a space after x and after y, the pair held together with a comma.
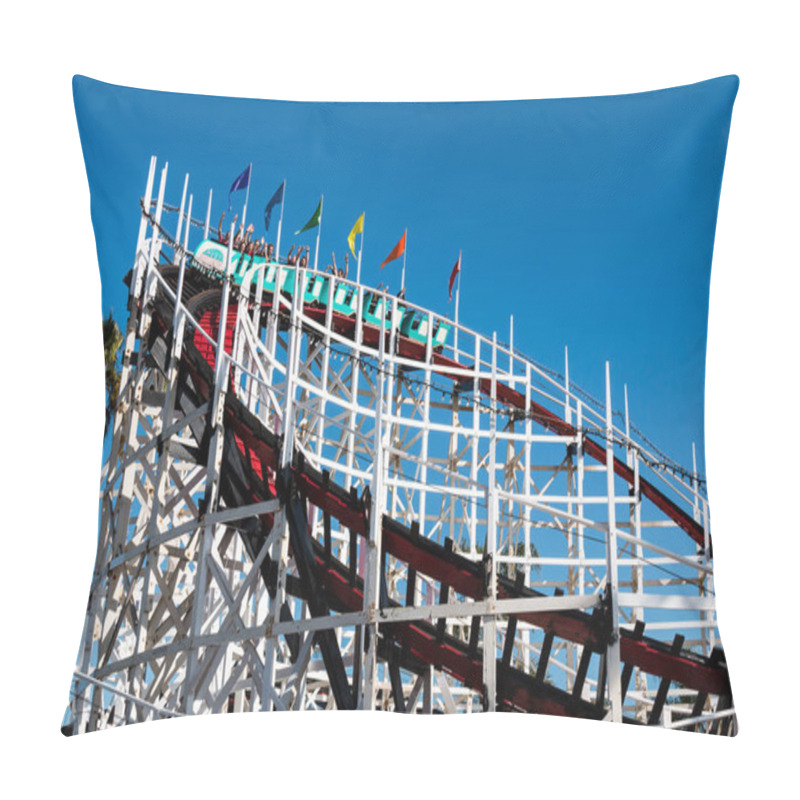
x: 456, y: 270
x: 397, y: 251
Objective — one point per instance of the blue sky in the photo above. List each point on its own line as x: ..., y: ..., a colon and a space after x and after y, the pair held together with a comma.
x: 590, y: 220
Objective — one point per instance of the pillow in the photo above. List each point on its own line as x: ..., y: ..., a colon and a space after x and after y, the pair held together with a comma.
x: 404, y: 407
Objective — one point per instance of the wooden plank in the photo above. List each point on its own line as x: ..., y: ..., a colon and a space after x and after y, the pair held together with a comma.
x: 474, y: 634
x: 583, y: 668
x: 396, y: 679
x: 508, y: 644
x: 627, y: 670
x: 586, y: 657
x: 663, y: 687
x: 326, y: 517
x: 444, y: 594
x: 547, y: 646
x: 411, y: 581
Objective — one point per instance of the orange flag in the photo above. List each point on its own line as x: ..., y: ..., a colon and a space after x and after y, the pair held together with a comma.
x: 397, y: 251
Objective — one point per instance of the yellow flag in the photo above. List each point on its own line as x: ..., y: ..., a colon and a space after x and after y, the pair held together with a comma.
x: 357, y: 228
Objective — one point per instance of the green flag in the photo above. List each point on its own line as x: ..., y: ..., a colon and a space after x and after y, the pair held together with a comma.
x: 313, y: 222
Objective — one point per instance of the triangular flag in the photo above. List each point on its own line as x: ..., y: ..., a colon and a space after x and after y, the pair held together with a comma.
x: 242, y: 182
x: 276, y: 198
x: 357, y: 228
x: 456, y: 270
x: 313, y: 222
x: 398, y: 250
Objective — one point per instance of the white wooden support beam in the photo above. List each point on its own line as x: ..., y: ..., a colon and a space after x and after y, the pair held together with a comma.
x: 613, y: 660
x: 280, y: 550
x: 490, y: 623
x: 374, y: 567
x: 475, y: 444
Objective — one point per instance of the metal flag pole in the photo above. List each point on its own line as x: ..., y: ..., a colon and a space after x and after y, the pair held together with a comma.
x: 246, y: 197
x: 403, y: 274
x: 360, y: 248
x: 280, y: 223
x: 458, y: 285
x: 319, y: 230
x: 182, y: 208
x: 208, y: 214
x: 458, y: 293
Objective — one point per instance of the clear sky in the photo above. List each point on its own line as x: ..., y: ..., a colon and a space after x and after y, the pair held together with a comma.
x: 590, y: 220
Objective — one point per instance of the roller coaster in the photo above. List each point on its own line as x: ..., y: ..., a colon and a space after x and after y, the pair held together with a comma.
x: 375, y: 309
x: 321, y: 496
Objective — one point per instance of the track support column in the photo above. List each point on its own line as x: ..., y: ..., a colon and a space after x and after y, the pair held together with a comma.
x: 211, y: 495
x: 613, y: 660
x: 280, y: 550
x: 374, y: 563
x: 490, y: 622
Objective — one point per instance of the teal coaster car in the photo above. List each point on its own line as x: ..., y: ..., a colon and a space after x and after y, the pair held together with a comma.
x: 210, y: 255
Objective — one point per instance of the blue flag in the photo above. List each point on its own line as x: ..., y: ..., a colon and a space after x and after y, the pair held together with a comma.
x: 242, y: 182
x: 276, y: 198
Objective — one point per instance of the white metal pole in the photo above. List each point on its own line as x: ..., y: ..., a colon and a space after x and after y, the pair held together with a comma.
x: 458, y: 292
x: 280, y: 225
x: 705, y: 616
x: 458, y: 284
x: 155, y: 249
x: 361, y: 248
x: 148, y: 202
x: 143, y: 223
x: 510, y: 376
x: 319, y: 231
x: 181, y: 273
x: 246, y: 196
x: 695, y: 495
x: 208, y: 214
x: 567, y: 403
x: 183, y: 205
x: 627, y: 417
x: 403, y: 274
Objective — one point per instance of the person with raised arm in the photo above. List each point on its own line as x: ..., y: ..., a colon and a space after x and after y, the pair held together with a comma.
x: 237, y: 237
